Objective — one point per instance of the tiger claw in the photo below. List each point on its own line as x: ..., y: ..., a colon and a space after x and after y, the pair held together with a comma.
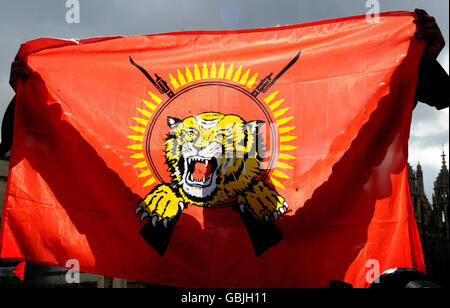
x: 266, y: 217
x: 165, y: 221
x: 242, y: 207
x: 154, y: 220
x: 138, y: 210
x: 143, y: 216
x: 181, y: 205
x: 285, y: 205
x: 282, y: 211
x: 275, y: 215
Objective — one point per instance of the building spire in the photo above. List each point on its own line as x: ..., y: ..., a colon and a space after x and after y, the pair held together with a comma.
x: 443, y: 158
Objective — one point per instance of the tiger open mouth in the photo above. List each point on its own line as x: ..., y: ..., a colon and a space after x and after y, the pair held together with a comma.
x: 200, y: 171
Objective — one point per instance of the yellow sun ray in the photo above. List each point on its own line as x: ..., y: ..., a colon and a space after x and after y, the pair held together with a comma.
x: 252, y: 80
x: 283, y: 121
x: 155, y: 97
x: 140, y: 121
x: 213, y: 71
x: 276, y: 183
x: 287, y: 147
x: 137, y: 156
x: 244, y: 77
x: 280, y: 112
x: 229, y: 72
x: 287, y: 138
x: 276, y: 104
x: 286, y: 129
x: 237, y: 74
x: 270, y: 97
x: 136, y: 137
x: 145, y: 173
x: 181, y: 78
x: 280, y: 174
x: 149, y: 105
x: 145, y: 112
x: 282, y: 165
x: 149, y: 182
x: 135, y: 146
x: 189, y: 75
x: 197, y: 73
x: 142, y: 164
x: 174, y: 82
x: 285, y: 156
x: 138, y: 129
x: 205, y: 72
x: 221, y: 71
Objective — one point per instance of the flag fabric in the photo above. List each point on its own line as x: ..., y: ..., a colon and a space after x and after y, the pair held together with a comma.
x: 19, y: 270
x: 252, y: 158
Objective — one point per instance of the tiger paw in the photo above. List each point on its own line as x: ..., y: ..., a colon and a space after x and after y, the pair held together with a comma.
x: 162, y: 204
x: 262, y: 202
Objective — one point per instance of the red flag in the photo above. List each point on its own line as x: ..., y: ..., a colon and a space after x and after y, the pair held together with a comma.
x: 19, y: 270
x: 256, y: 158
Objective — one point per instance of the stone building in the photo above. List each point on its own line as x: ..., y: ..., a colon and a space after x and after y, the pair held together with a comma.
x: 432, y: 222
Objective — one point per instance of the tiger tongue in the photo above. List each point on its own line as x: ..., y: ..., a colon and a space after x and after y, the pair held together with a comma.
x: 200, y: 170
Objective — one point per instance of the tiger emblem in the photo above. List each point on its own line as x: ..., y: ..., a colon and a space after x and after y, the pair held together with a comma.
x: 213, y: 158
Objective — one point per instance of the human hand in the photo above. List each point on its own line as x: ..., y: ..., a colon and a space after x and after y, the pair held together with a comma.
x: 19, y: 70
x: 428, y: 29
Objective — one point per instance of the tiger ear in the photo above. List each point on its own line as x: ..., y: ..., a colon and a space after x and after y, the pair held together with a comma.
x: 173, y: 122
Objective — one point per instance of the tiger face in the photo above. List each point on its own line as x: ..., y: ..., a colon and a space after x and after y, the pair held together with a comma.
x: 212, y: 157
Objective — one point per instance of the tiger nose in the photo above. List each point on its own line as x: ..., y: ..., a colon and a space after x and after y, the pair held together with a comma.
x: 201, y: 143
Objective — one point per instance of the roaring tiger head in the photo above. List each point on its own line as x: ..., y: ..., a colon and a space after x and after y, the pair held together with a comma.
x: 212, y: 157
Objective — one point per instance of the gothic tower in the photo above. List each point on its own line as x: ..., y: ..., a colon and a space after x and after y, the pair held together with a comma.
x: 441, y: 237
x: 432, y: 222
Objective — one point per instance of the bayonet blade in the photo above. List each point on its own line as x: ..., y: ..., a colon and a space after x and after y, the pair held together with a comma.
x: 288, y: 66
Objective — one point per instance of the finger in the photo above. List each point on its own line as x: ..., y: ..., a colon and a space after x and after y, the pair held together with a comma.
x: 428, y: 25
x: 420, y: 12
x: 20, y: 67
x: 427, y: 34
x: 420, y: 19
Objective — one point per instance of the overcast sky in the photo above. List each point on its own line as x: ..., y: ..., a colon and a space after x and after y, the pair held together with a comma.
x: 23, y: 20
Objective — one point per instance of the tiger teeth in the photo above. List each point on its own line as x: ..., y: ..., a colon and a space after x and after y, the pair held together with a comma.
x: 206, y: 165
x: 198, y: 159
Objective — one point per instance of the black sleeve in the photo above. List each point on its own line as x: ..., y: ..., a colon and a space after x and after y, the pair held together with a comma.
x: 7, y: 128
x: 432, y: 83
